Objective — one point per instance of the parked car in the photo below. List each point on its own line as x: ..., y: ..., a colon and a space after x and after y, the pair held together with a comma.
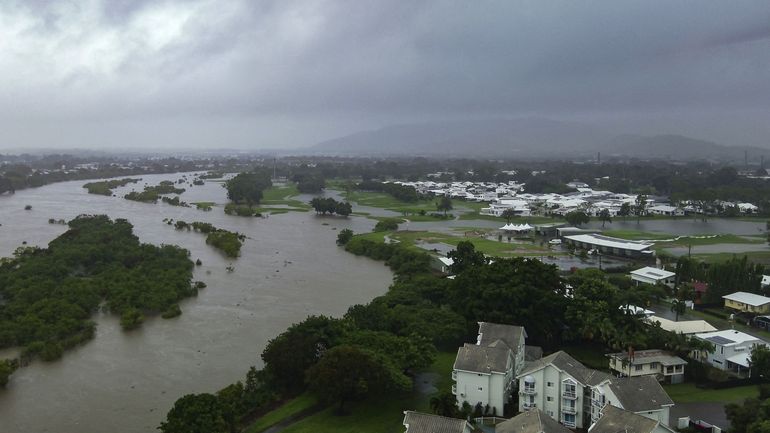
x: 555, y: 242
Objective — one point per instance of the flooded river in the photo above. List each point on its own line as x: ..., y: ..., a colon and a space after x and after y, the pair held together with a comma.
x: 126, y: 382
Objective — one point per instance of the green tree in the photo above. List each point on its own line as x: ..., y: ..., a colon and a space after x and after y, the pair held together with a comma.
x: 346, y: 373
x: 344, y: 236
x: 386, y: 225
x: 760, y: 362
x: 678, y: 307
x: 640, y: 206
x: 444, y: 404
x: 6, y: 369
x: 577, y: 218
x: 195, y: 413
x: 247, y: 187
x: 625, y: 210
x: 444, y: 204
x: 605, y: 217
x: 288, y: 356
x: 508, y: 214
x: 465, y: 256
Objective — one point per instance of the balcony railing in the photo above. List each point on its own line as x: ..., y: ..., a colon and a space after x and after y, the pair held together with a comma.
x: 570, y: 424
x: 454, y: 389
x: 570, y: 394
x: 454, y: 375
x: 569, y: 409
x: 597, y: 403
x: 528, y: 406
x: 528, y: 391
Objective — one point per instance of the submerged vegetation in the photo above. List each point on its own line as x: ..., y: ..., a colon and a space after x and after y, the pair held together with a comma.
x: 151, y: 194
x: 49, y: 294
x: 105, y: 187
x: 226, y: 241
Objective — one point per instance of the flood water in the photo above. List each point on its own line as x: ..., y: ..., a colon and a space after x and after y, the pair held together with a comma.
x: 126, y: 382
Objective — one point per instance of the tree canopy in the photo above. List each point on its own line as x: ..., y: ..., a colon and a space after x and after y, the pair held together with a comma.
x: 247, y: 188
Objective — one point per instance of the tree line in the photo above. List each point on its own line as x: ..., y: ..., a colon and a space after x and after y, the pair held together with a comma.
x: 226, y: 241
x: 329, y: 205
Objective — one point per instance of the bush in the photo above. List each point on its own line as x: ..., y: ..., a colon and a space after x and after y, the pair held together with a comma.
x: 344, y: 236
x: 131, y: 319
x: 386, y: 225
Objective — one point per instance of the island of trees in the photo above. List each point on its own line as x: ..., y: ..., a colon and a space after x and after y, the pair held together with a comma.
x: 329, y: 205
x: 226, y: 241
x: 49, y: 294
x: 105, y: 187
x: 151, y: 194
x: 245, y: 192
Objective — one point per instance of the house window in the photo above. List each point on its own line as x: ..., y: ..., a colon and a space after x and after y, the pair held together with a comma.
x: 549, y: 398
x: 550, y: 384
x: 569, y: 389
x: 481, y: 389
x: 550, y: 413
x: 639, y: 367
x: 654, y: 365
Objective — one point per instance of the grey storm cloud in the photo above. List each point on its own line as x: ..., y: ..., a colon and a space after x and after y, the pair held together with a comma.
x: 286, y: 73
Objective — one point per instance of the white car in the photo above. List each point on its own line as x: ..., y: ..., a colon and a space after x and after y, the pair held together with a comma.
x: 555, y: 242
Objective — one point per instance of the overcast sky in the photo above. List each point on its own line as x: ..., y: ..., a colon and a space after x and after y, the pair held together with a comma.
x: 279, y: 74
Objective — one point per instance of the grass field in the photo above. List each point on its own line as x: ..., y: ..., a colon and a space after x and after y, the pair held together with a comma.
x: 688, y: 393
x: 489, y: 247
x: 761, y: 257
x: 276, y: 197
x: 382, y: 414
x: 290, y: 408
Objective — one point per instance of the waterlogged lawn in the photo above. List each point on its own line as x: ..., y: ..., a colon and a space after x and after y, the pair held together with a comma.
x: 278, y: 199
x: 636, y: 235
x: 688, y: 393
x: 290, y: 408
x: 487, y: 246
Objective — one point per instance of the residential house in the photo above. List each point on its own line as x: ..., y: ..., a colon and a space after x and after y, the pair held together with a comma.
x: 686, y: 327
x: 611, y: 246
x: 651, y: 275
x: 642, y: 395
x: 732, y: 350
x: 531, y: 421
x: 417, y: 422
x: 747, y: 302
x: 560, y: 386
x: 666, y: 210
x: 615, y: 420
x: 484, y: 372
x: 662, y: 365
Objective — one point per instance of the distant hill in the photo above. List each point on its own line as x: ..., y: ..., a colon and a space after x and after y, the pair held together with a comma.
x: 524, y: 138
x: 471, y: 138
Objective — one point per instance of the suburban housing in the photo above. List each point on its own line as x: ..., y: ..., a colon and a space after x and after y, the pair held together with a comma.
x: 614, y: 420
x: 612, y: 246
x: 747, y: 302
x: 641, y: 395
x: 484, y: 372
x: 658, y: 363
x: 732, y: 350
x: 651, y: 275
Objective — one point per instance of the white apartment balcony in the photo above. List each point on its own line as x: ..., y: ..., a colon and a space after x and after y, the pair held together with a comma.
x: 528, y: 391
x: 454, y: 389
x: 569, y: 409
x: 528, y: 406
x: 454, y: 375
x: 570, y: 394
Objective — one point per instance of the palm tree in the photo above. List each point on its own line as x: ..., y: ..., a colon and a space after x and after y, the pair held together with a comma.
x: 604, y: 217
x: 678, y: 307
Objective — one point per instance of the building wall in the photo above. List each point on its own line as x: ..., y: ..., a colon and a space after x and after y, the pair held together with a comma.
x: 481, y: 388
x: 740, y: 306
x: 550, y: 399
x: 661, y: 415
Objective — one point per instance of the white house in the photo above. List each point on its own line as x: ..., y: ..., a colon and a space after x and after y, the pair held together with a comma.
x: 417, y: 422
x: 686, y: 327
x: 484, y: 372
x: 667, y: 210
x: 650, y: 275
x: 616, y: 420
x: 658, y: 363
x: 732, y: 350
x: 642, y: 395
x: 560, y: 386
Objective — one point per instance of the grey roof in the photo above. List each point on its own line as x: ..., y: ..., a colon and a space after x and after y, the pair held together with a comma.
x: 615, y: 420
x: 564, y: 362
x: 650, y: 356
x: 640, y: 393
x: 531, y: 421
x: 417, y: 422
x: 482, y: 359
x: 533, y: 353
x: 494, y: 333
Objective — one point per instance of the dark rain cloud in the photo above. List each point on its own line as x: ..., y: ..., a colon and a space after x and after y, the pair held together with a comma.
x: 287, y: 73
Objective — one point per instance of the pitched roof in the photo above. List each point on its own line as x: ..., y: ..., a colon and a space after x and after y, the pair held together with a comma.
x: 748, y: 298
x: 417, y: 422
x: 482, y: 359
x: 640, y: 393
x: 649, y: 356
x: 616, y: 420
x: 491, y: 333
x: 531, y: 421
x: 569, y: 365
